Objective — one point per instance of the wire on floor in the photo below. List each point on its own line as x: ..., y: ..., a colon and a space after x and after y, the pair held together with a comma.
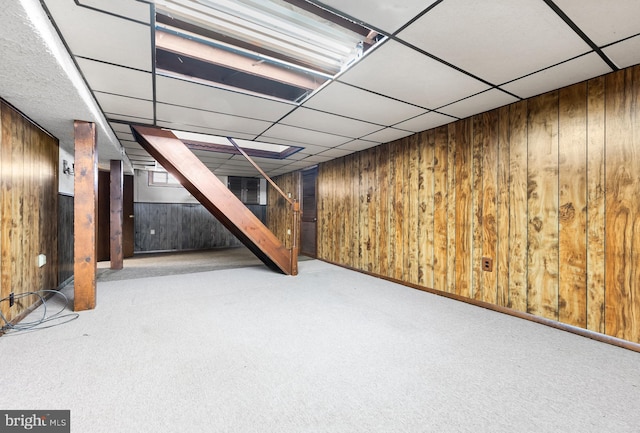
x: 43, y: 322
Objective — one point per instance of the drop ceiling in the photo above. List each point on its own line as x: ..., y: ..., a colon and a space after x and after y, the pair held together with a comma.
x: 441, y: 61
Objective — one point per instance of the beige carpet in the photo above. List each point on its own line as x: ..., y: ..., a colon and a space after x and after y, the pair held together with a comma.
x: 248, y: 350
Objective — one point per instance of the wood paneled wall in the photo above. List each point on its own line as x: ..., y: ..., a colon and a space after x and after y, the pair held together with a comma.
x: 278, y: 213
x: 65, y: 238
x: 548, y: 188
x: 28, y: 209
x: 180, y: 226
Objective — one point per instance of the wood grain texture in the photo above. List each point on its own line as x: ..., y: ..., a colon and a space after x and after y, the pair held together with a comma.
x: 542, y: 189
x: 426, y: 177
x: 572, y: 169
x: 595, y: 205
x: 440, y: 208
x: 452, y: 159
x: 116, y: 206
x: 463, y: 209
x: 502, y: 211
x: 518, y: 252
x: 396, y: 201
x: 85, y: 216
x: 476, y: 252
x: 411, y: 204
x: 367, y: 183
x: 382, y: 215
x: 487, y: 130
x: 622, y: 254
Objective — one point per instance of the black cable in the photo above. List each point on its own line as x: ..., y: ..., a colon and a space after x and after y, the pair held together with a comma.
x: 9, y: 327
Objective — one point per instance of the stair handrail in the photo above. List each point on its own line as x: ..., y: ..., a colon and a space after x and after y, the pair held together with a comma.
x: 295, y: 207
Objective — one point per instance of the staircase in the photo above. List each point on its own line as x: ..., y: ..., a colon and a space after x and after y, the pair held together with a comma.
x: 178, y: 160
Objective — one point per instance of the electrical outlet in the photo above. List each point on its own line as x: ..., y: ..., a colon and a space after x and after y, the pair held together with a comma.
x: 12, y: 299
x: 487, y: 264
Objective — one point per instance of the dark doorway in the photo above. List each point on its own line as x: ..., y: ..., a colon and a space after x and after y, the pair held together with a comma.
x: 103, y: 246
x: 127, y: 217
x: 309, y: 217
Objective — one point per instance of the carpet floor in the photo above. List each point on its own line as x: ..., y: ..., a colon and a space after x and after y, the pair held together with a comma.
x: 248, y: 350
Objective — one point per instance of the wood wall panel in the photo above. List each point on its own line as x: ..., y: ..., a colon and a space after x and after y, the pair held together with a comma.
x: 547, y: 187
x: 181, y: 227
x: 28, y: 209
x: 412, y: 172
x: 502, y: 212
x: 440, y: 214
x: 572, y: 284
x: 595, y: 205
x: 542, y: 189
x: 426, y: 177
x: 622, y: 298
x: 383, y: 210
x: 65, y: 237
x: 463, y: 209
x: 518, y: 225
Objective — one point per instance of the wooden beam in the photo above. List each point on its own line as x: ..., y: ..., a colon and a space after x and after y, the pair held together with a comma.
x: 116, y: 215
x: 85, y: 209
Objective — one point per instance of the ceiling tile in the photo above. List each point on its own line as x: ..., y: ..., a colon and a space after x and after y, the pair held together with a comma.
x: 386, y: 15
x: 107, y: 78
x: 357, y: 145
x: 345, y: 100
x: 625, y: 53
x: 318, y: 158
x: 567, y: 73
x: 204, y: 130
x: 436, y: 84
x: 126, y: 8
x: 125, y: 136
x: 116, y: 104
x: 193, y: 117
x: 324, y: 122
x: 498, y: 40
x: 304, y: 137
x: 426, y: 121
x: 604, y: 22
x: 335, y: 153
x: 479, y: 103
x: 120, y: 127
x: 100, y: 36
x: 387, y: 135
x: 180, y: 92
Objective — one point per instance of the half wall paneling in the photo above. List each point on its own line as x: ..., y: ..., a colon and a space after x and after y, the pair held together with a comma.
x: 28, y: 209
x: 547, y: 188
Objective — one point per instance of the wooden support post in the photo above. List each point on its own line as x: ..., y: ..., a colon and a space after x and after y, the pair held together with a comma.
x: 85, y: 209
x: 116, y: 215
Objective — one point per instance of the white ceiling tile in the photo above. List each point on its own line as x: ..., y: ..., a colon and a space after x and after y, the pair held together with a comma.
x: 335, y: 153
x: 387, y: 135
x: 497, y: 40
x: 225, y: 122
x: 126, y: 136
x: 324, y: 122
x: 107, y: 78
x: 604, y: 22
x: 120, y: 127
x: 304, y: 137
x: 126, y: 8
x: 391, y: 71
x: 345, y: 100
x: 318, y: 158
x: 426, y: 121
x: 357, y: 145
x: 571, y: 72
x: 122, y: 105
x: 625, y: 53
x: 132, y: 119
x: 479, y: 103
x: 181, y: 92
x: 387, y: 15
x: 100, y: 36
x: 204, y: 130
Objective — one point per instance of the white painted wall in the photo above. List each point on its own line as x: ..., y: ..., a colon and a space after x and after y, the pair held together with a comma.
x: 65, y: 181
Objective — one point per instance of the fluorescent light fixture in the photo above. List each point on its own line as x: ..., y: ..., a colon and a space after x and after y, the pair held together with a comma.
x: 295, y: 38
